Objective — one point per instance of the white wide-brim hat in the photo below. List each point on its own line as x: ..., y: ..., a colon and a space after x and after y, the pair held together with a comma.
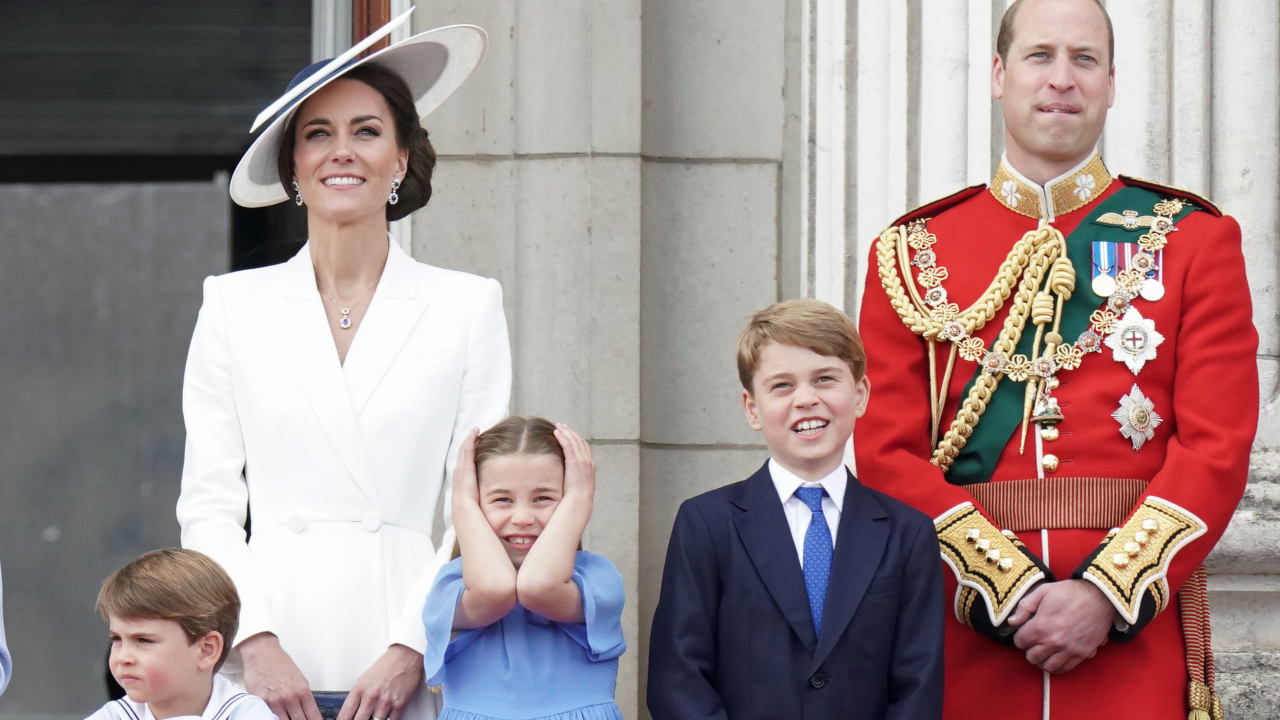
x: 433, y: 64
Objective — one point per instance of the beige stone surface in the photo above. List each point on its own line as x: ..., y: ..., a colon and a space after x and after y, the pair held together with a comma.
x: 713, y: 78
x: 615, y: 76
x: 709, y: 261
x: 614, y: 527
x: 553, y: 76
x: 1249, y: 685
x: 470, y: 222
x: 480, y: 118
x: 615, y: 297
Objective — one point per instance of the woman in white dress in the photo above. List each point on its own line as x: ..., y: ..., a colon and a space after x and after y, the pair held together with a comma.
x: 328, y: 394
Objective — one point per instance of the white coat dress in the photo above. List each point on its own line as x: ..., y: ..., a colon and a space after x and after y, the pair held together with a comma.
x: 341, y: 465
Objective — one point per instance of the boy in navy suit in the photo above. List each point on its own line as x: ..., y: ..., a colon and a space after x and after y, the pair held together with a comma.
x: 799, y: 593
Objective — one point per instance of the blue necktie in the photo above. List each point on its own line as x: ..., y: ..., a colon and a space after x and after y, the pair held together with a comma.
x: 817, y: 553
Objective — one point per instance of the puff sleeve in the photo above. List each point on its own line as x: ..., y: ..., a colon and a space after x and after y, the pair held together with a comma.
x: 437, y: 622
x: 600, y: 583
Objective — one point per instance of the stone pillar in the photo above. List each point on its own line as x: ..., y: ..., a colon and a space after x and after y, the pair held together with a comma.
x: 721, y: 216
x: 538, y: 185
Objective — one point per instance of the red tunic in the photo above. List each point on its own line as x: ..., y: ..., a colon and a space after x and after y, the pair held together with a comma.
x: 1203, y: 383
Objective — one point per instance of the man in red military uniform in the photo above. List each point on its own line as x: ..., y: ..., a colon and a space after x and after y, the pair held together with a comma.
x: 1066, y: 380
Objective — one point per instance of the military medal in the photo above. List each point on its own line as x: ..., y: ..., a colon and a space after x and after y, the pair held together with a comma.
x: 1104, y: 269
x: 1151, y: 265
x: 1121, y: 272
x: 1137, y: 417
x: 1134, y: 340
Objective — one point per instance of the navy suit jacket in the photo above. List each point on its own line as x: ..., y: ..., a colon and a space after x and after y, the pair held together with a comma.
x: 733, y: 636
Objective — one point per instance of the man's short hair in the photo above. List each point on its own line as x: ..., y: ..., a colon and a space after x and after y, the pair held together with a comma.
x: 185, y: 586
x: 1005, y: 37
x: 805, y: 323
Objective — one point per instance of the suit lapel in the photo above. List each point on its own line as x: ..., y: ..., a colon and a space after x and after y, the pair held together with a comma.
x: 393, y: 314
x: 767, y: 538
x: 308, y: 347
x: 860, y: 543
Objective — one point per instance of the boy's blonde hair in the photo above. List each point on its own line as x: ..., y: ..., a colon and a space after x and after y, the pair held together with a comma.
x: 185, y: 586
x: 805, y: 323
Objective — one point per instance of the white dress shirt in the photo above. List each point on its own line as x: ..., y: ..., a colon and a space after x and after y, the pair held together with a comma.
x: 798, y: 514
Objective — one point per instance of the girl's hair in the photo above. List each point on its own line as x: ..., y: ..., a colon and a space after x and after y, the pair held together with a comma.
x: 518, y: 436
x: 415, y: 189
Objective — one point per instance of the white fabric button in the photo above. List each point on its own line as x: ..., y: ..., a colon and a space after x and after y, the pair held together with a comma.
x: 297, y: 524
x: 371, y: 521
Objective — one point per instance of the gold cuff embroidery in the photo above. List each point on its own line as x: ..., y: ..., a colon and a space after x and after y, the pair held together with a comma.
x: 1137, y: 556
x: 985, y: 559
x: 965, y: 597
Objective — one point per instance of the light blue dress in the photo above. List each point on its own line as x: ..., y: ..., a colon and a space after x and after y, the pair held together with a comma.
x: 524, y: 666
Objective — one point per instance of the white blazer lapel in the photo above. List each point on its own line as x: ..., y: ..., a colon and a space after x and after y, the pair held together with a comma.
x: 393, y: 313
x: 310, y: 349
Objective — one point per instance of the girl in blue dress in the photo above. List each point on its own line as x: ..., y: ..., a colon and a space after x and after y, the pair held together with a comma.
x: 523, y: 625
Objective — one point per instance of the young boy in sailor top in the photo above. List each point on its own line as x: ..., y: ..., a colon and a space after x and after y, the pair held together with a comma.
x: 173, y: 615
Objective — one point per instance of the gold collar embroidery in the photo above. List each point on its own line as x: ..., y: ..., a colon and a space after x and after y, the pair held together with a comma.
x: 1067, y: 192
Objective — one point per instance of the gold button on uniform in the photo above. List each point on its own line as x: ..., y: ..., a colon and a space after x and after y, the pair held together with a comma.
x: 1049, y: 433
x: 1049, y: 462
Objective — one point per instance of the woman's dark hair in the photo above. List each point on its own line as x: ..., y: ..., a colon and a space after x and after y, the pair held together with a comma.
x: 415, y: 189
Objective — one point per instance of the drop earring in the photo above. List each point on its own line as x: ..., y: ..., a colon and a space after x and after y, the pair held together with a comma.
x: 395, y: 197
x: 297, y: 194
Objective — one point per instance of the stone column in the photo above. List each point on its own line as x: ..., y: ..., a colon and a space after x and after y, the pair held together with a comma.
x: 721, y: 219
x: 538, y: 185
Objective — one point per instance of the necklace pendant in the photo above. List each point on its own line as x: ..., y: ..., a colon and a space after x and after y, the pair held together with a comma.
x: 345, y: 323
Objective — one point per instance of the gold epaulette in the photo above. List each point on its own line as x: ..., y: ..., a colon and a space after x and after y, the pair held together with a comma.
x: 1137, y: 556
x: 1183, y: 193
x: 986, y: 560
x: 934, y: 207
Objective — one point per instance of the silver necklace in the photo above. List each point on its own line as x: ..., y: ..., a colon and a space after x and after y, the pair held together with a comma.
x: 345, y: 322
